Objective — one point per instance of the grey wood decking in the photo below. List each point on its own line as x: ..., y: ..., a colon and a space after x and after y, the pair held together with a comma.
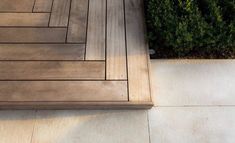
x: 73, y: 54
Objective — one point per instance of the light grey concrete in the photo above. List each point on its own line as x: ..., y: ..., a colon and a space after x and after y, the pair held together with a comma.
x: 192, y: 124
x: 91, y: 126
x: 16, y: 126
x: 193, y: 82
x: 201, y: 85
x: 79, y: 126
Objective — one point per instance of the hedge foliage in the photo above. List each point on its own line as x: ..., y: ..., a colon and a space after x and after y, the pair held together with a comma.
x: 191, y: 28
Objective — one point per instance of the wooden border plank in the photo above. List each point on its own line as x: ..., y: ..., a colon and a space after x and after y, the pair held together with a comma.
x: 76, y: 105
x: 137, y: 50
x: 57, y: 91
x: 51, y: 70
x: 43, y: 52
x: 32, y: 35
x: 16, y: 5
x: 24, y: 19
x: 60, y: 13
x: 78, y: 22
x: 95, y: 49
x: 116, y: 45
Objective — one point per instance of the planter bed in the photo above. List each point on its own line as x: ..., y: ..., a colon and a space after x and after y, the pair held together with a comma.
x: 191, y: 28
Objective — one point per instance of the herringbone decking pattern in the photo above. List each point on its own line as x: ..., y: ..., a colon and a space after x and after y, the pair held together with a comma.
x: 73, y: 54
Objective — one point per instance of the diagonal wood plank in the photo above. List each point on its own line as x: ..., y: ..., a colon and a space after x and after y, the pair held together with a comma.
x: 60, y: 13
x: 78, y: 21
x: 51, y: 70
x: 95, y: 49
x: 16, y: 5
x: 138, y: 70
x: 116, y: 48
x: 32, y: 35
x: 63, y: 91
x: 42, y: 52
x: 24, y: 19
x: 42, y: 6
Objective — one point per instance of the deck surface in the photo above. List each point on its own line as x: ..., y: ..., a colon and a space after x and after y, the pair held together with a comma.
x: 73, y: 54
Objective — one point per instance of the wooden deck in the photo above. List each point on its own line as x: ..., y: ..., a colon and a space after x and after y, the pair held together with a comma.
x: 60, y: 54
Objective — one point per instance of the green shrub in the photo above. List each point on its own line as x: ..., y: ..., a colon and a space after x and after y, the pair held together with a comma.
x: 191, y: 28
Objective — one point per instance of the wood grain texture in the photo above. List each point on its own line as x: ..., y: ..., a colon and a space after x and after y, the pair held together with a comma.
x: 42, y: 52
x: 78, y: 21
x: 82, y: 58
x: 24, y: 19
x: 95, y: 49
x: 42, y: 6
x: 138, y: 71
x: 51, y: 70
x: 63, y: 91
x: 60, y: 13
x: 75, y: 105
x: 32, y: 35
x: 16, y: 5
x: 116, y: 48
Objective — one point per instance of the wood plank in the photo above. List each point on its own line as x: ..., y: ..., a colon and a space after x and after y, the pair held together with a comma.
x: 116, y: 48
x: 32, y: 35
x: 78, y: 21
x: 42, y: 51
x: 39, y: 71
x: 75, y: 105
x: 16, y: 5
x: 60, y: 13
x: 51, y: 70
x: 63, y: 91
x: 138, y: 71
x: 42, y: 6
x: 24, y: 19
x: 95, y: 49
